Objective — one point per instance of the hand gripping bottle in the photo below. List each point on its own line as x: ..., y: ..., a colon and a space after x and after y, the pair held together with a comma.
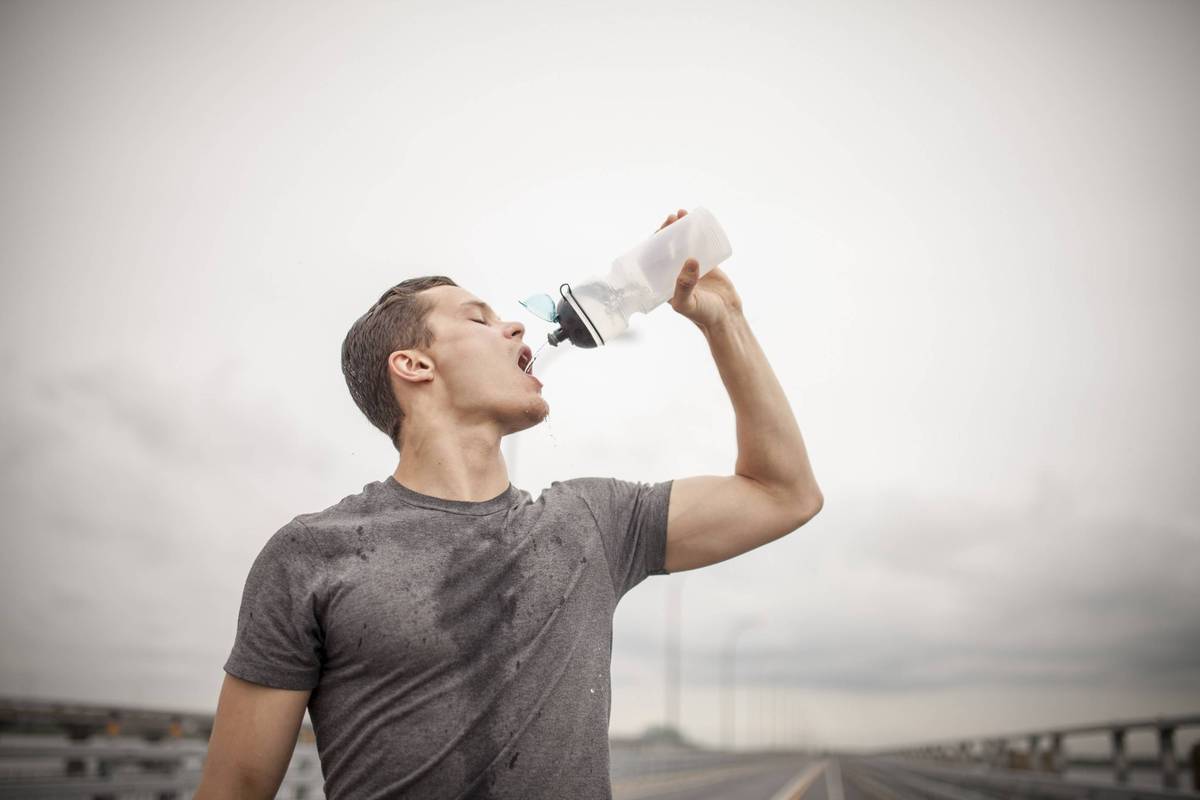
x: 596, y: 310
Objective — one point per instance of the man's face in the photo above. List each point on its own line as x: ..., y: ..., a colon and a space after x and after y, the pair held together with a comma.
x: 478, y: 360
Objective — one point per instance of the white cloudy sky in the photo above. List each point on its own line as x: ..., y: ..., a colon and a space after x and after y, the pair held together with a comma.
x: 965, y: 234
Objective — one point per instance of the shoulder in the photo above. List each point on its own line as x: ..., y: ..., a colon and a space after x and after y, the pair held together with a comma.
x: 577, y: 486
x: 290, y: 545
x: 312, y: 537
x: 587, y: 490
x: 348, y: 516
x: 371, y: 497
x: 603, y: 496
x: 605, y: 489
x: 571, y: 497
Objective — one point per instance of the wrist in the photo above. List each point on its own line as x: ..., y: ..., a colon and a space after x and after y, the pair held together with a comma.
x: 731, y: 320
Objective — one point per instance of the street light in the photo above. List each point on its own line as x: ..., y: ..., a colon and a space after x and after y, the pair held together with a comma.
x: 674, y: 612
x: 728, y: 654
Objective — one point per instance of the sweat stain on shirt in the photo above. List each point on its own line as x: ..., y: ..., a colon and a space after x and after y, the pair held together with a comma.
x: 482, y: 639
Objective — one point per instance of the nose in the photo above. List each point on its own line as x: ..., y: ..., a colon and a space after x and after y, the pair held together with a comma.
x: 516, y: 330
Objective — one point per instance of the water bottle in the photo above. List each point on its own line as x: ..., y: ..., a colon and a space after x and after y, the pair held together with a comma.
x: 596, y: 310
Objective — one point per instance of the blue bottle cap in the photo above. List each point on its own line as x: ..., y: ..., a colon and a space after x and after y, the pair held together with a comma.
x: 541, y: 306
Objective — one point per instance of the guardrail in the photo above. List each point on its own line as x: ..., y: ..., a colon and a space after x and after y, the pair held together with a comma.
x: 909, y: 779
x: 78, y: 750
x: 996, y: 750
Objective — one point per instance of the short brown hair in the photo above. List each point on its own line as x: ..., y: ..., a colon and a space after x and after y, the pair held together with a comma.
x: 397, y: 321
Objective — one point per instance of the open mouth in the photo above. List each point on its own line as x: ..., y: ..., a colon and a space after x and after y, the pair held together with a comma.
x: 525, y: 359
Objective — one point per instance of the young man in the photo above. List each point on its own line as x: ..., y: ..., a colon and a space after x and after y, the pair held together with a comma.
x: 450, y: 635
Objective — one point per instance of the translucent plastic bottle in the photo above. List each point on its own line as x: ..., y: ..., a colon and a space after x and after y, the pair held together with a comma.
x: 595, y: 310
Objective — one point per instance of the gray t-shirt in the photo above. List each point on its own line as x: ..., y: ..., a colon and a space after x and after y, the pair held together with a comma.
x: 454, y: 649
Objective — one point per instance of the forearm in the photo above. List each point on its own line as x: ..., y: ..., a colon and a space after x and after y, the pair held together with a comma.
x: 771, y: 449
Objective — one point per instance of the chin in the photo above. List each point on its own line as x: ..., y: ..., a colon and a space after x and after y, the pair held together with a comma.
x: 533, y: 411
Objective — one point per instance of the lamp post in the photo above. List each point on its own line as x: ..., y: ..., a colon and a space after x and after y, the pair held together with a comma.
x: 674, y: 612
x: 728, y: 678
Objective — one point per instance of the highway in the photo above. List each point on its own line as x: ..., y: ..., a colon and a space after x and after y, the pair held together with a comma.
x: 710, y: 775
x: 69, y: 749
x: 725, y: 776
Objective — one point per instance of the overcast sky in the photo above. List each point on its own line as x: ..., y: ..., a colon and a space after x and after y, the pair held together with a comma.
x: 965, y: 234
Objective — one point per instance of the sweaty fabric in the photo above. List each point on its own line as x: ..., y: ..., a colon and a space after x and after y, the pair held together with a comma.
x: 454, y: 649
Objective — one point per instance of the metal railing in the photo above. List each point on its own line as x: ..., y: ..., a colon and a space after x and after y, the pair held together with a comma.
x: 894, y: 778
x: 77, y: 750
x: 1045, y: 750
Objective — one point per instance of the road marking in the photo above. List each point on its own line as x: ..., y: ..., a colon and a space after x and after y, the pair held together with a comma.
x: 649, y: 785
x: 801, y: 783
x: 833, y: 781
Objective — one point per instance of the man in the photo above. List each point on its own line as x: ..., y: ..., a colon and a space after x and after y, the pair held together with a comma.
x: 451, y: 636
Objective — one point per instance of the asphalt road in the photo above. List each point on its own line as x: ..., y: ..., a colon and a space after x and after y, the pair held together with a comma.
x: 708, y: 776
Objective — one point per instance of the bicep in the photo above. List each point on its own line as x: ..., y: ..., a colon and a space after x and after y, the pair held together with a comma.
x: 254, y: 735
x: 715, y: 517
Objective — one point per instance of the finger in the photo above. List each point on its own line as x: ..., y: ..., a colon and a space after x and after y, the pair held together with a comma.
x: 680, y: 214
x: 686, y: 282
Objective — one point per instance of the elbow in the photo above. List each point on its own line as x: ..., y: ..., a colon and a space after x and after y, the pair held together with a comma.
x: 234, y: 784
x: 794, y: 506
x: 808, y: 506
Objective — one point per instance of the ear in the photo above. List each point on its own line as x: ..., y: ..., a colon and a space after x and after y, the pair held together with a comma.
x: 411, y: 365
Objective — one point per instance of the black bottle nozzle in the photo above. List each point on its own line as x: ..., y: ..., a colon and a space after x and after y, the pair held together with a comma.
x: 571, y: 327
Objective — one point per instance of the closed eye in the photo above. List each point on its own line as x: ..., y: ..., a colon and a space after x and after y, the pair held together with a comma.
x: 482, y: 322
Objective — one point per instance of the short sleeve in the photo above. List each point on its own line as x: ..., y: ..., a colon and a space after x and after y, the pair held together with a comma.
x: 632, y: 519
x: 279, y: 640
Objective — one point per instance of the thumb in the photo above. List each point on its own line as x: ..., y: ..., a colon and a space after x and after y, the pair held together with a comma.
x: 687, y: 280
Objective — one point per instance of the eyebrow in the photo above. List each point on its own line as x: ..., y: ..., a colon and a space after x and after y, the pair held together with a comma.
x: 479, y: 304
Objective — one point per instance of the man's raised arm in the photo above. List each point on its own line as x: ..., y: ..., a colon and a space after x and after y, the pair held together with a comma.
x: 772, y: 490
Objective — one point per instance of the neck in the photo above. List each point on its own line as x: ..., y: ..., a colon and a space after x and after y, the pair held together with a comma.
x: 453, y: 461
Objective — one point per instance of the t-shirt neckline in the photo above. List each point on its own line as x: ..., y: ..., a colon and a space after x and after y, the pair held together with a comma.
x: 476, y: 507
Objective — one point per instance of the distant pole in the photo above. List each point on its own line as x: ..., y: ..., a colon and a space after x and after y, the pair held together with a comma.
x: 729, y: 682
x: 1196, y: 765
x: 1166, y: 758
x: 775, y: 700
x: 760, y: 716
x: 672, y: 662
x: 727, y: 690
x: 1120, y: 757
